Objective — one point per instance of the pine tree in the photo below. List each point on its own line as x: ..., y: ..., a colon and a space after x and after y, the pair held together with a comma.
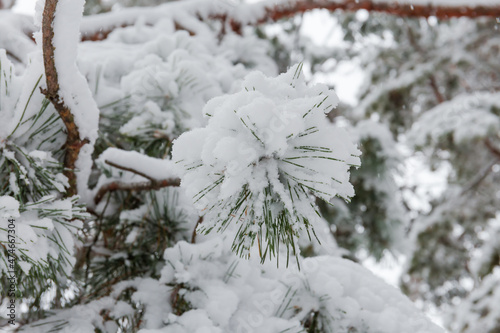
x: 172, y: 169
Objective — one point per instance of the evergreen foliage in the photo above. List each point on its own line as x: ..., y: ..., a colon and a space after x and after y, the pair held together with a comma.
x: 228, y: 191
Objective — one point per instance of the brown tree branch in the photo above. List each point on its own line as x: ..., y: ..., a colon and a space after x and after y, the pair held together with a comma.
x: 432, y: 79
x: 121, y: 167
x: 193, y: 236
x: 491, y: 147
x: 482, y: 174
x: 389, y: 7
x: 275, y: 13
x: 435, y: 89
x: 73, y: 142
x: 8, y: 5
x: 139, y: 186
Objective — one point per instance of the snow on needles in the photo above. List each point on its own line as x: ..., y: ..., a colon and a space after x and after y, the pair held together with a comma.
x: 265, y: 151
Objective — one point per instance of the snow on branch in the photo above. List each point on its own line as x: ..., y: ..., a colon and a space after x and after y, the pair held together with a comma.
x: 158, y: 173
x: 139, y: 186
x: 492, y: 148
x: 267, y: 153
x: 97, y: 27
x: 66, y: 88
x: 419, y: 8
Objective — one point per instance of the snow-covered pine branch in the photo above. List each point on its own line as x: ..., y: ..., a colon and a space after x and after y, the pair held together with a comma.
x: 265, y: 155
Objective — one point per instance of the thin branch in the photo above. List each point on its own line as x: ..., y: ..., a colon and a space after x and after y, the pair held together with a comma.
x: 435, y: 89
x: 482, y: 174
x: 278, y: 12
x: 9, y: 4
x: 432, y: 79
x: 193, y: 236
x: 494, y: 150
x: 73, y: 142
x: 138, y: 186
x: 389, y: 7
x: 121, y: 167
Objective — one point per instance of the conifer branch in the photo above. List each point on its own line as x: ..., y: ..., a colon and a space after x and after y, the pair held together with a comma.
x: 9, y: 4
x: 491, y: 147
x: 286, y: 10
x: 389, y: 7
x: 73, y: 142
x: 193, y: 236
x: 121, y: 167
x: 138, y: 186
x: 432, y: 79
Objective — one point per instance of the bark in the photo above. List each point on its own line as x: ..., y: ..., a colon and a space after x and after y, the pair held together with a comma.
x: 73, y: 142
x: 139, y: 186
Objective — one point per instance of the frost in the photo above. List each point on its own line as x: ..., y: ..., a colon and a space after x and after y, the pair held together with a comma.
x: 149, y: 167
x: 265, y: 150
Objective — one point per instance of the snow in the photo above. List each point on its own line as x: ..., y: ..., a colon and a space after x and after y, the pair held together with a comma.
x: 73, y: 86
x: 155, y: 168
x: 267, y: 135
x: 245, y: 13
x: 9, y: 207
x: 265, y: 298
x: 273, y: 140
x: 480, y: 311
x: 9, y: 89
x: 40, y: 232
x: 466, y: 117
x: 14, y: 37
x: 451, y: 3
x: 82, y: 318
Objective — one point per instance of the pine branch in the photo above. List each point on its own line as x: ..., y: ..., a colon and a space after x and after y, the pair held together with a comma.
x: 130, y: 170
x: 138, y: 186
x: 73, y: 142
x: 494, y: 150
x: 8, y: 5
x: 487, y: 169
x: 389, y: 7
x: 193, y: 236
x: 432, y: 79
x: 278, y: 12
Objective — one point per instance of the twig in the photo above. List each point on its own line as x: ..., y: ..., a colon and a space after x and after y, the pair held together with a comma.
x: 389, y: 7
x: 494, y: 150
x: 193, y: 236
x: 432, y: 79
x: 73, y: 142
x: 10, y: 4
x: 482, y: 174
x: 121, y: 167
x: 435, y: 89
x: 275, y: 13
x: 139, y: 186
